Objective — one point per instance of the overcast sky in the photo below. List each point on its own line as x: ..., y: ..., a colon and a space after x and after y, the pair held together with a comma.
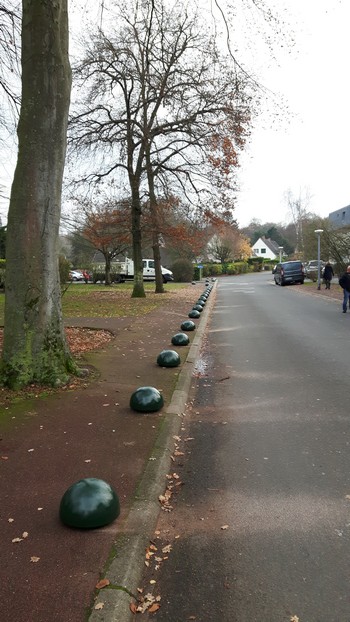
x: 306, y: 146
x: 311, y: 147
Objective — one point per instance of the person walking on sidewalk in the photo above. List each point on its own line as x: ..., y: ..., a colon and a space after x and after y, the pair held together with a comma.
x: 344, y: 282
x: 328, y: 274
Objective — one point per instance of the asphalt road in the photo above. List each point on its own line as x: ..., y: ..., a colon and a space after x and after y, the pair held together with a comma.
x: 261, y: 528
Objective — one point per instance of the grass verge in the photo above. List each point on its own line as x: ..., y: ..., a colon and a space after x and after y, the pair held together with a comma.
x: 81, y: 300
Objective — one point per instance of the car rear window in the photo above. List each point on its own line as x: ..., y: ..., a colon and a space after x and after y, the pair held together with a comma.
x: 292, y: 264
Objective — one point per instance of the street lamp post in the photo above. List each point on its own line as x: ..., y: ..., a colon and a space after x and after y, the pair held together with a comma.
x: 280, y: 248
x: 318, y: 233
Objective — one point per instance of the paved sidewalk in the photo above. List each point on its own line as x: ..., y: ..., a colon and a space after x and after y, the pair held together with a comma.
x: 335, y: 293
x: 49, y: 571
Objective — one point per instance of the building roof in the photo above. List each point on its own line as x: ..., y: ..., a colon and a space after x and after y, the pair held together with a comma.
x: 271, y: 244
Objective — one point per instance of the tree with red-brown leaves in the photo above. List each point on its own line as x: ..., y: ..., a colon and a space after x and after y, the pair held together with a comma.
x: 106, y: 225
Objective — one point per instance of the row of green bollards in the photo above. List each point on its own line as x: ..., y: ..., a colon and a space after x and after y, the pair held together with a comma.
x: 91, y: 502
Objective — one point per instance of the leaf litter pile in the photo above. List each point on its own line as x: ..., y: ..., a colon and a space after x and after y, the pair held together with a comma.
x: 80, y: 341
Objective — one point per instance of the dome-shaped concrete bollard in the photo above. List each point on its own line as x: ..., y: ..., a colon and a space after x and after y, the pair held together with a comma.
x: 180, y: 339
x: 146, y: 400
x: 88, y: 504
x: 194, y: 314
x: 168, y: 358
x: 197, y: 307
x: 188, y: 325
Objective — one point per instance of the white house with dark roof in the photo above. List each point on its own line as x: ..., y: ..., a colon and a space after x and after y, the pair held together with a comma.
x: 266, y: 248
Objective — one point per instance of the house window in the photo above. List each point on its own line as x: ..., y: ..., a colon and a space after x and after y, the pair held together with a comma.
x: 263, y: 250
x: 343, y: 216
x: 256, y: 251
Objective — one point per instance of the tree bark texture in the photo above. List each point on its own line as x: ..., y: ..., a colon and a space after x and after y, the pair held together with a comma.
x: 35, y: 347
x: 159, y: 289
x: 138, y: 288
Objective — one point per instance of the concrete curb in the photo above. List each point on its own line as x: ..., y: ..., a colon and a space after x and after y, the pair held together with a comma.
x: 126, y: 568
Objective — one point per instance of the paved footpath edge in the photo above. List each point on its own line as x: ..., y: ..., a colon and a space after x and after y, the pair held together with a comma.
x: 125, y: 570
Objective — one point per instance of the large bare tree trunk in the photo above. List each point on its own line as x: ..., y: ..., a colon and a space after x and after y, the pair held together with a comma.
x: 159, y: 289
x: 138, y: 289
x: 35, y: 347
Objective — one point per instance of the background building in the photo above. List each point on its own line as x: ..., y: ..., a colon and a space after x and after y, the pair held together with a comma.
x: 341, y: 217
x: 264, y: 247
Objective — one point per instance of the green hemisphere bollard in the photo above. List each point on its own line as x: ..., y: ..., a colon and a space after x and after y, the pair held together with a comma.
x: 194, y: 314
x: 146, y: 400
x: 197, y: 307
x: 188, y: 325
x: 168, y: 358
x: 88, y: 504
x: 180, y: 339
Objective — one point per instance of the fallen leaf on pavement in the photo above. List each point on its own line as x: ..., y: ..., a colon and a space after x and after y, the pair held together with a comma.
x: 17, y: 539
x: 25, y: 534
x: 294, y: 619
x: 99, y: 606
x: 133, y: 608
x: 34, y: 559
x: 224, y: 527
x: 101, y: 584
x: 10, y: 520
x: 167, y: 548
x: 153, y: 608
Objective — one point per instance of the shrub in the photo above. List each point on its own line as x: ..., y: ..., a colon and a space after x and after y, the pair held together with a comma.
x: 98, y: 276
x: 212, y: 269
x: 183, y: 270
x: 256, y: 263
x: 237, y: 267
x: 63, y: 267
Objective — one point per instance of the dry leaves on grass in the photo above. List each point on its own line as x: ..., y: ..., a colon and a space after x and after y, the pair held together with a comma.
x: 80, y: 341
